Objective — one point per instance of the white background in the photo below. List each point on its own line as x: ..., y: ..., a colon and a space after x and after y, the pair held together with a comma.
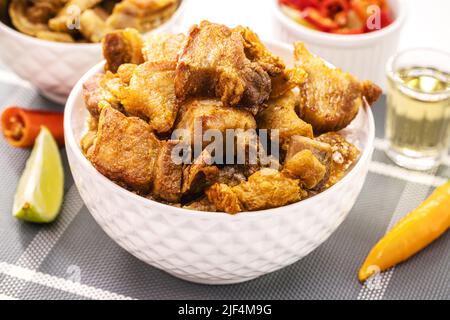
x: 427, y: 25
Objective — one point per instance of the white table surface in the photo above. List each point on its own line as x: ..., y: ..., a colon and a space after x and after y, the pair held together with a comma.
x: 428, y: 21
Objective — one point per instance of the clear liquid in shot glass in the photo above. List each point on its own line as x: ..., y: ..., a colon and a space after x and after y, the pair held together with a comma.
x: 418, y: 117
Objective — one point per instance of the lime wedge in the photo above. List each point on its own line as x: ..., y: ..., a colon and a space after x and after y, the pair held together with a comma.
x: 40, y: 192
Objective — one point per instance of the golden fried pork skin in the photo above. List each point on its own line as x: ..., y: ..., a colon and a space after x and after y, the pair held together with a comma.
x: 125, y: 150
x: 286, y: 81
x: 265, y: 189
x: 213, y: 64
x: 282, y: 79
x: 280, y: 115
x: 224, y: 198
x: 163, y: 47
x: 122, y: 46
x: 87, y: 143
x: 61, y: 23
x: 106, y: 89
x: 344, y: 154
x: 256, y: 51
x: 329, y: 98
x: 40, y: 11
x: 31, y: 19
x: 92, y: 25
x: 268, y: 188
x: 321, y: 150
x: 305, y: 167
x: 150, y: 95
x: 94, y: 93
x: 211, y: 114
x: 142, y: 15
x: 167, y: 174
x: 125, y: 72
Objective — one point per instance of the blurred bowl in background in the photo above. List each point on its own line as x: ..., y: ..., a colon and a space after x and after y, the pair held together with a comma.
x: 364, y: 55
x: 55, y: 67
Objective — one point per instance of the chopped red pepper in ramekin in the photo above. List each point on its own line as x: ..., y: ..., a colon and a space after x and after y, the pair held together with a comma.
x: 343, y: 16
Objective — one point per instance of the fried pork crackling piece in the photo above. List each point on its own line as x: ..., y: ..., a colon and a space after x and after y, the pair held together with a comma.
x: 329, y: 98
x: 280, y: 115
x: 94, y: 92
x: 213, y: 63
x: 150, y: 95
x: 93, y: 26
x: 211, y: 114
x: 122, y: 46
x: 142, y: 15
x: 344, y: 154
x: 305, y: 167
x: 265, y: 189
x: 257, y: 52
x: 31, y: 18
x: 87, y: 143
x: 167, y: 174
x: 125, y: 150
x: 59, y: 23
x: 331, y: 149
x: 163, y: 47
x: 287, y: 80
x: 224, y: 198
x: 282, y: 79
x: 106, y: 89
x: 40, y: 11
x: 321, y: 151
x: 268, y: 188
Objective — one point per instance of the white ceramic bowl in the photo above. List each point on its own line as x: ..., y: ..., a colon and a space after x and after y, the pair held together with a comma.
x: 214, y: 248
x: 55, y: 67
x: 363, y: 55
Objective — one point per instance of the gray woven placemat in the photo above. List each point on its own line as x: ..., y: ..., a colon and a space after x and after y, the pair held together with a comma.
x: 74, y: 259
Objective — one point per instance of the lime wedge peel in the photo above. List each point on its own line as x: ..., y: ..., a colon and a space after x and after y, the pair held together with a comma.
x: 39, y: 194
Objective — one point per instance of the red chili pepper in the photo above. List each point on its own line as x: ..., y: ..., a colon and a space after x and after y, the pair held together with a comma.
x: 322, y: 23
x: 301, y: 4
x: 386, y: 17
x: 21, y: 126
x: 341, y: 16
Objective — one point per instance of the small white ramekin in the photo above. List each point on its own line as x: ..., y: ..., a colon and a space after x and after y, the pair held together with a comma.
x: 363, y: 55
x: 214, y: 248
x: 55, y: 67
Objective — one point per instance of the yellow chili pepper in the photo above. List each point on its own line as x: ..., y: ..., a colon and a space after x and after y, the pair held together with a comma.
x: 413, y: 233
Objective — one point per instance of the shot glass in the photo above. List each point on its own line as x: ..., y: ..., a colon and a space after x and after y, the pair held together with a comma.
x: 418, y: 108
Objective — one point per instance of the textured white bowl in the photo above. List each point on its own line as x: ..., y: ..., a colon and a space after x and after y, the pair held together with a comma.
x: 214, y: 248
x: 54, y: 67
x: 363, y: 55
